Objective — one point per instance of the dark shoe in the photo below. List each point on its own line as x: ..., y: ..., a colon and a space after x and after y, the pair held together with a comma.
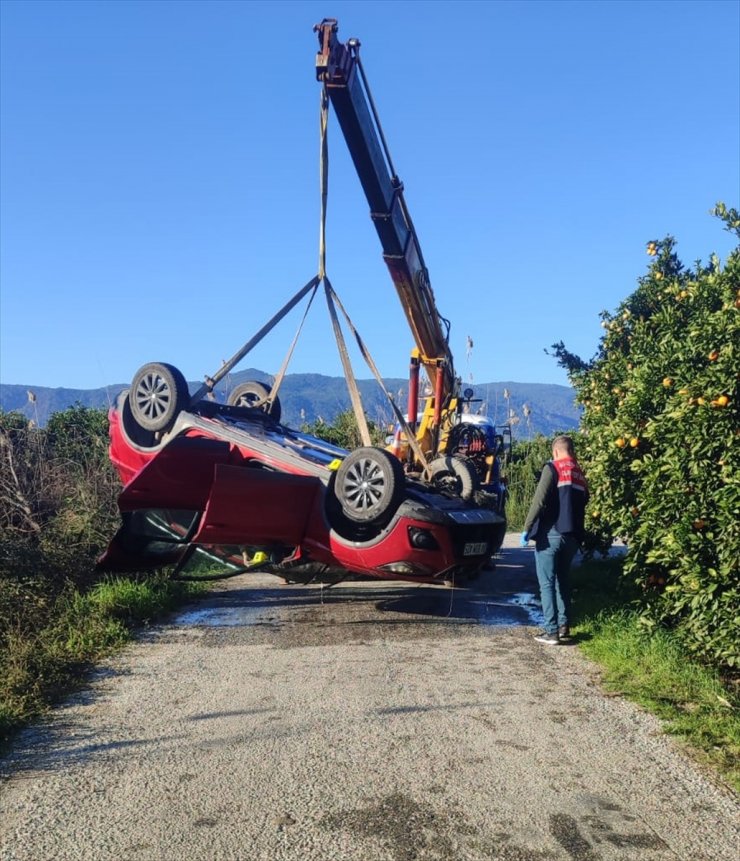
x: 548, y: 639
x: 564, y: 632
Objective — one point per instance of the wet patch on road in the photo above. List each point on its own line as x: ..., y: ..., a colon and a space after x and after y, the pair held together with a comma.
x: 260, y: 610
x: 357, y: 613
x: 500, y: 609
x: 217, y: 617
x: 408, y: 830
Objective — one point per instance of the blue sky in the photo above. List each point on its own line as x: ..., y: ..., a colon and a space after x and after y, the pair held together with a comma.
x: 160, y: 176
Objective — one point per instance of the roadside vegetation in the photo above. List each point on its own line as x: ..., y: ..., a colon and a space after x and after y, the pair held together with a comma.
x: 697, y: 703
x: 661, y: 444
x: 57, y: 513
x: 522, y: 474
x: 344, y: 432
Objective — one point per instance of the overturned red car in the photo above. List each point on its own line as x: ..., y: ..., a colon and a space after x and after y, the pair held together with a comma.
x: 231, y: 481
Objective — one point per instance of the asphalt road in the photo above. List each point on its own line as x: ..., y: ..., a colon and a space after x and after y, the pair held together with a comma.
x: 367, y: 721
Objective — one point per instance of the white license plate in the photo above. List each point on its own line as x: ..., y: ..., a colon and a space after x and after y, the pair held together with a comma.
x: 475, y: 548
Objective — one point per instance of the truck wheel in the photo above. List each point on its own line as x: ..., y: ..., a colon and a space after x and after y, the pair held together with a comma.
x: 454, y: 474
x: 254, y: 394
x: 159, y: 392
x: 369, y: 485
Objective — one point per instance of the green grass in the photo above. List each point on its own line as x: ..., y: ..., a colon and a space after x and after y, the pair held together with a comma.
x: 47, y: 643
x: 651, y: 668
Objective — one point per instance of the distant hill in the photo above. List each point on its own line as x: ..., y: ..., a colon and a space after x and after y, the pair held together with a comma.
x: 306, y: 397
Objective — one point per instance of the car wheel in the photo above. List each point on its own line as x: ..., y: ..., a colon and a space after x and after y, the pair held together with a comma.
x: 158, y: 394
x: 369, y: 485
x: 454, y: 474
x: 254, y: 394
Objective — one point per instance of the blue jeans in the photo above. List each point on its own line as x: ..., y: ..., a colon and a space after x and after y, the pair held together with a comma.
x: 553, y: 564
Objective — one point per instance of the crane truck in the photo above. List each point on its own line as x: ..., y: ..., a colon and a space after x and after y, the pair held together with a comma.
x: 461, y: 448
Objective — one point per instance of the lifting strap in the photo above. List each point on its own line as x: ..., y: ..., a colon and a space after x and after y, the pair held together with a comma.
x: 210, y: 382
x: 278, y: 381
x: 354, y: 392
x: 332, y: 300
x: 323, y: 177
x: 400, y: 418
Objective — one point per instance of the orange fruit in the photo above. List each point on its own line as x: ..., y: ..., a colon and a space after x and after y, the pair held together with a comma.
x: 634, y: 442
x: 621, y: 442
x: 699, y: 523
x: 667, y: 382
x: 713, y: 356
x: 722, y: 401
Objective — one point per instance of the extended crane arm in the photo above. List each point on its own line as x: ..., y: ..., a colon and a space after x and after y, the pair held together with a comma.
x: 338, y: 66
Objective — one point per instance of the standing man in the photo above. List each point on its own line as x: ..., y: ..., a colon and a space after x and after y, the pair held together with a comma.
x: 555, y: 524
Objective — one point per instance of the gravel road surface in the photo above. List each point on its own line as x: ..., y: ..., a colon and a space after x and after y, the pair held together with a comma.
x: 367, y: 721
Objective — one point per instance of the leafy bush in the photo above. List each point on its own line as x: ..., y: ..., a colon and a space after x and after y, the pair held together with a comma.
x: 344, y: 431
x: 662, y: 452
x: 57, y: 488
x: 523, y: 474
x: 57, y: 512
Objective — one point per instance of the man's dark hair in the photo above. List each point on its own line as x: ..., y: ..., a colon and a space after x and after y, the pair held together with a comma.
x: 565, y: 442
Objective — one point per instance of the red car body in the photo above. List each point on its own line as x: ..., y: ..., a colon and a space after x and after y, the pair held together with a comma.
x: 230, y: 481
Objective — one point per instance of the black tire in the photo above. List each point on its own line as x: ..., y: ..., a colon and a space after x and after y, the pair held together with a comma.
x: 369, y: 485
x: 457, y: 475
x: 159, y: 392
x: 254, y: 394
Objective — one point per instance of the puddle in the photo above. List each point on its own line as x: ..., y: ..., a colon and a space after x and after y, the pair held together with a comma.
x: 502, y: 608
x: 521, y: 608
x: 219, y: 617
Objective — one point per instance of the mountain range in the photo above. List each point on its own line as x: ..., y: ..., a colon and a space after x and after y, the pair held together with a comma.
x: 534, y: 407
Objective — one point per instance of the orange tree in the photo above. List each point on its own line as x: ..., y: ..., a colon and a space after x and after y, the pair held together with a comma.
x: 661, y: 443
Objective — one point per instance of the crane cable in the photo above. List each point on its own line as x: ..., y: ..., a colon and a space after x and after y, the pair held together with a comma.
x: 352, y: 387
x: 321, y: 275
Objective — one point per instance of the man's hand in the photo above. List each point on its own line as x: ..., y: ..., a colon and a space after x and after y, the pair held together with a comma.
x: 524, y: 540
